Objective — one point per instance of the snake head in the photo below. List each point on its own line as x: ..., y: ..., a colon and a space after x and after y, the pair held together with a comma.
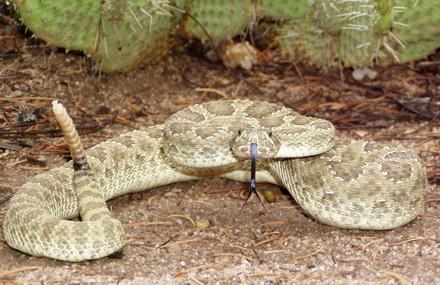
x: 268, y: 143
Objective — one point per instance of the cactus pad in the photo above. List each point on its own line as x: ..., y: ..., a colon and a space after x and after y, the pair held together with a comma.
x: 121, y: 34
x: 222, y: 19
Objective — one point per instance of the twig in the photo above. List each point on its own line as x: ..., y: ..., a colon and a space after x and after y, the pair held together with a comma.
x: 309, y: 255
x: 147, y: 224
x: 352, y: 260
x: 204, y: 266
x: 399, y: 277
x: 226, y: 254
x: 202, y: 202
x: 371, y: 242
x: 216, y: 91
x: 14, y: 99
x: 184, y: 217
x: 6, y: 281
x: 234, y: 237
x: 312, y: 278
x: 150, y: 200
x: 197, y: 281
x: 182, y: 242
x: 414, y: 238
x: 27, y: 268
x: 280, y: 237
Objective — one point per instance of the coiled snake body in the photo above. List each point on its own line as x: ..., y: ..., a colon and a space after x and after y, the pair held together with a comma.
x: 343, y: 183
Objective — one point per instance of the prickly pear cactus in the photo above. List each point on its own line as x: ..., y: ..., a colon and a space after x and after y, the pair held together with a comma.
x: 362, y: 32
x: 221, y: 19
x: 133, y: 32
x: 305, y: 42
x: 418, y: 28
x: 122, y: 34
x: 118, y: 34
x: 70, y: 24
x: 283, y: 9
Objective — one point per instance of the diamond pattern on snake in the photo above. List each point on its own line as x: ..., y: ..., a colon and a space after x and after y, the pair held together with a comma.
x: 339, y: 182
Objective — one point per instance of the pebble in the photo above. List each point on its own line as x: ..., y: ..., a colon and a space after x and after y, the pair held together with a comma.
x: 270, y: 196
x: 203, y: 223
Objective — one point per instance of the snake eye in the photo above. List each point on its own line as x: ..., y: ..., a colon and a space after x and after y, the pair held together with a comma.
x: 239, y: 132
x: 270, y: 134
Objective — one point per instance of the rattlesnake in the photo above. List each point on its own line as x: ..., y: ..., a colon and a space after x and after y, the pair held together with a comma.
x: 339, y: 182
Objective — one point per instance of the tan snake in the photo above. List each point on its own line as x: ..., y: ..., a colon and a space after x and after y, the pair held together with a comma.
x: 343, y: 183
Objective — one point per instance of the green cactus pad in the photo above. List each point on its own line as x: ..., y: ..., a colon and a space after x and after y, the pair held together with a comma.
x: 66, y: 23
x: 357, y: 39
x: 132, y: 33
x: 420, y: 31
x: 283, y: 9
x: 360, y: 33
x: 222, y: 19
x: 304, y: 42
x: 121, y: 35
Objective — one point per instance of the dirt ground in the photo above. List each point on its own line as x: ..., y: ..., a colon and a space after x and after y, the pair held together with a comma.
x: 280, y: 245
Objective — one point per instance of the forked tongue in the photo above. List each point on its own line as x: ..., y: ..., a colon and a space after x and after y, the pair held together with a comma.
x: 253, y: 183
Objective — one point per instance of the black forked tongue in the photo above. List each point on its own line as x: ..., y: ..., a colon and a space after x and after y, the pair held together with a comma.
x: 253, y: 184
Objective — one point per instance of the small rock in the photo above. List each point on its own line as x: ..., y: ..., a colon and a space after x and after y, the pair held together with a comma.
x: 172, y: 193
x: 203, y: 223
x: 270, y: 196
x: 240, y: 55
x: 360, y: 73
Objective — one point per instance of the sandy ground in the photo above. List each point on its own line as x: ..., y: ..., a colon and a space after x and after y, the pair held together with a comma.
x: 280, y: 245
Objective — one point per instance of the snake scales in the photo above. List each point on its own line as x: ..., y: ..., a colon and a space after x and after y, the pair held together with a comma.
x: 343, y: 183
